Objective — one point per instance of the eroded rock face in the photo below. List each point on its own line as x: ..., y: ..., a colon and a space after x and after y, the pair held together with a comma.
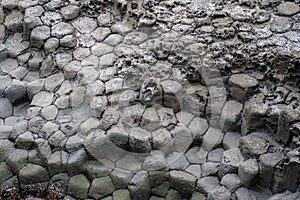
x: 146, y: 99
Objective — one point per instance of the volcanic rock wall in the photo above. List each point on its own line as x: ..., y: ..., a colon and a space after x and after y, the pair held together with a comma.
x: 171, y: 99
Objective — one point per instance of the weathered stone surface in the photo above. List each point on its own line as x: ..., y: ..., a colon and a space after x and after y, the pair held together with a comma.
x: 121, y: 195
x: 42, y: 99
x: 139, y: 140
x: 76, y: 161
x: 101, y: 187
x: 5, y: 107
x: 231, y: 115
x: 13, y: 21
x: 61, y: 29
x: 182, y: 181
x: 32, y: 173
x: 5, y: 172
x: 212, y: 138
x: 241, y: 84
x: 267, y: 163
x: 139, y: 186
x: 209, y: 168
x: 156, y: 161
x: 177, y: 161
x: 78, y: 186
x: 288, y: 8
x: 230, y: 161
x: 219, y: 193
x: 231, y: 181
x: 39, y: 35
x: 16, y: 91
x: 85, y: 24
x: 231, y: 140
x: 121, y: 177
x: 248, y: 172
x: 253, y: 145
x: 207, y: 184
x: 17, y: 159
x: 182, y: 138
x: 70, y: 12
x: 25, y: 140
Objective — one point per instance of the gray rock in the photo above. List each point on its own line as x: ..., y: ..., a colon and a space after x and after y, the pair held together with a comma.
x: 51, y: 18
x: 32, y: 173
x: 3, y: 50
x: 81, y: 53
x: 98, y: 104
x: 85, y: 24
x: 101, y: 187
x: 231, y: 115
x: 184, y: 117
x: 52, y: 82
x: 10, y: 4
x: 70, y: 12
x: 35, y: 11
x: 207, y: 184
x: 23, y: 4
x: 230, y: 161
x: 85, y: 40
x: 74, y: 142
x: 49, y: 112
x: 128, y: 97
x: 119, y: 137
x: 7, y: 148
x: 244, y: 194
x: 61, y: 29
x: 182, y: 138
x: 248, y: 172
x: 231, y: 140
x: 231, y: 181
x: 5, y: 172
x: 132, y: 115
x: 4, y: 82
x: 16, y: 91
x: 212, y: 138
x: 77, y: 97
x: 100, y: 33
x: 9, y: 65
x: 241, y: 85
x: 267, y: 163
x: 195, y: 170
x: 68, y: 41
x: 76, y: 161
x: 172, y: 94
x: 177, y: 160
x: 161, y: 190
x: 78, y: 186
x: 219, y: 193
x: 25, y: 140
x: 162, y: 140
x: 209, y: 168
x: 215, y: 155
x: 42, y: 99
x: 167, y: 117
x: 101, y: 49
x: 139, y: 140
x: 288, y: 8
x: 5, y: 131
x: 57, y: 162
x: 196, y: 155
x: 121, y: 28
x: 253, y: 145
x: 182, y: 181
x: 280, y: 24
x: 86, y: 75
x: 71, y: 69
x: 287, y: 195
x: 156, y: 161
x: 14, y: 21
x: 17, y: 159
x: 121, y: 195
x: 173, y: 195
x: 96, y: 169
x: 5, y: 107
x: 113, y: 39
x: 121, y: 177
x: 139, y: 186
x: 58, y: 139
x: 39, y: 35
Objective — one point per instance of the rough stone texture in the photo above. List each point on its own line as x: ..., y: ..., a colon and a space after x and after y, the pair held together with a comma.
x: 31, y: 173
x: 207, y: 184
x: 79, y: 186
x: 230, y: 161
x: 212, y: 138
x: 254, y: 146
x: 182, y: 181
x: 5, y: 107
x: 248, y: 172
x: 101, y: 187
x: 231, y: 115
x: 16, y: 91
x: 139, y: 186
